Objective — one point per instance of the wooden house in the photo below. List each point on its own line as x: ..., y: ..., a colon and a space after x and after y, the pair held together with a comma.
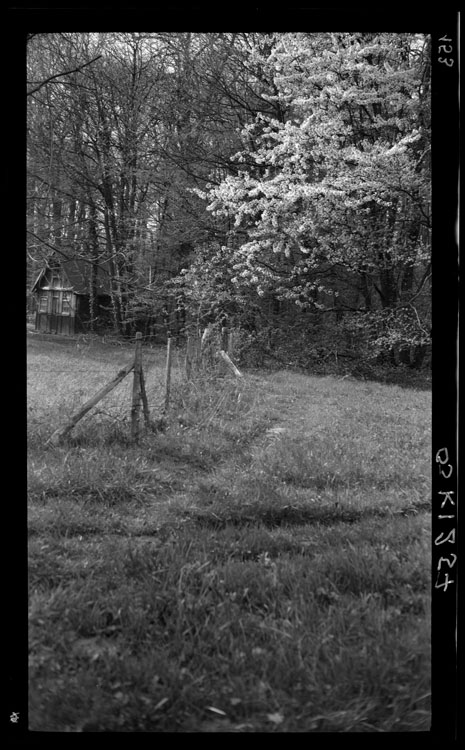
x: 62, y: 293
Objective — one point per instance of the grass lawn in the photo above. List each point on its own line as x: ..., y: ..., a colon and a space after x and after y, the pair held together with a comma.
x: 262, y: 565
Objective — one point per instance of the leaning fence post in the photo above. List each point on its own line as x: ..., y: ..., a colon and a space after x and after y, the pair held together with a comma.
x: 59, y: 434
x: 167, y: 374
x: 230, y: 364
x: 136, y: 387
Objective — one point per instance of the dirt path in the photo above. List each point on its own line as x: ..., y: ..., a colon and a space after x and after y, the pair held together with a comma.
x: 298, y: 410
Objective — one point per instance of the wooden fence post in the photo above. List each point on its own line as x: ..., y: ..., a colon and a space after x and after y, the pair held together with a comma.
x: 136, y: 387
x: 206, y: 348
x: 224, y: 339
x: 205, y: 338
x: 189, y: 356
x: 167, y: 375
x: 230, y: 349
x: 145, y: 403
x: 198, y: 348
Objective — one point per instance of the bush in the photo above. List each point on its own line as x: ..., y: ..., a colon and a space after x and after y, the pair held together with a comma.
x: 326, y: 348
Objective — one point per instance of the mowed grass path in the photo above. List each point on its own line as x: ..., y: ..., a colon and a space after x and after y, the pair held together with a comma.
x: 262, y: 566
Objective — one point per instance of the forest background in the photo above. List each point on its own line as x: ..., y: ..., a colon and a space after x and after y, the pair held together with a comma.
x: 276, y: 182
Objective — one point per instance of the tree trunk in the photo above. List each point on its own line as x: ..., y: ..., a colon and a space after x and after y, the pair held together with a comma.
x: 115, y: 291
x: 93, y: 265
x: 365, y: 290
x: 417, y: 356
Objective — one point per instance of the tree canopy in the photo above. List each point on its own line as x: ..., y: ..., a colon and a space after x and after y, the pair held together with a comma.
x: 278, y: 179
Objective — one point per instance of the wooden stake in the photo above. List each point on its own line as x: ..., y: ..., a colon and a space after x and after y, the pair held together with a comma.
x: 62, y: 431
x: 198, y: 349
x: 224, y: 339
x: 205, y: 337
x: 136, y: 387
x: 189, y: 355
x: 167, y: 376
x: 230, y: 364
x: 206, y: 348
x: 145, y: 403
x: 230, y: 351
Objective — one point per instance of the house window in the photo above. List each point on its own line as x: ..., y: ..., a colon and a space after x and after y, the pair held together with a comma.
x: 43, y: 303
x: 66, y: 305
x: 55, y: 303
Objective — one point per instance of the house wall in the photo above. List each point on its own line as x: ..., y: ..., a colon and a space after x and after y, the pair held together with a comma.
x: 64, y: 312
x: 62, y: 306
x: 56, y: 310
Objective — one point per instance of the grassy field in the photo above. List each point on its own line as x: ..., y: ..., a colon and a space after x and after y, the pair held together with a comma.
x: 262, y: 565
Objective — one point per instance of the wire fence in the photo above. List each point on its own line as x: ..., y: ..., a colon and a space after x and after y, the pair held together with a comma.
x: 161, y: 375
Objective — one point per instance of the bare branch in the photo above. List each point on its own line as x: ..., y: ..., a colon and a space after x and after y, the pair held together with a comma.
x: 47, y: 244
x: 60, y: 75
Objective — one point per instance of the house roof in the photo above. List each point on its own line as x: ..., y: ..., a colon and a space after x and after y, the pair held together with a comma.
x: 78, y: 274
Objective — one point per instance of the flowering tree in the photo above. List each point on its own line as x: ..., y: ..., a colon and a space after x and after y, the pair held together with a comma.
x: 330, y: 207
